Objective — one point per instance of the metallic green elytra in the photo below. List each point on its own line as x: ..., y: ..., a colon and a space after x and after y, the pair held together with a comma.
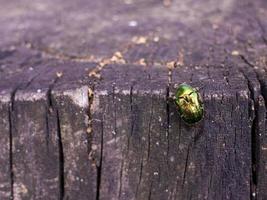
x: 189, y: 103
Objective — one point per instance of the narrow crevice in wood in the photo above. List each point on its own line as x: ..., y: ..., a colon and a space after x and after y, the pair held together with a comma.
x: 52, y: 109
x: 49, y: 92
x: 61, y: 159
x: 245, y: 60
x: 10, y: 118
x: 12, y: 98
x: 99, y: 167
x: 186, y: 165
x: 11, y: 129
x: 150, y: 191
x: 255, y: 138
x: 255, y: 132
x: 131, y: 98
x: 49, y: 109
x: 131, y: 118
x: 49, y: 97
x: 114, y: 112
x: 132, y: 111
x: 263, y: 88
x: 257, y: 141
x: 140, y: 175
x: 30, y: 81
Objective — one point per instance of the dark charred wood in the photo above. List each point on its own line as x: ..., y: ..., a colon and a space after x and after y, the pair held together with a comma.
x: 86, y: 107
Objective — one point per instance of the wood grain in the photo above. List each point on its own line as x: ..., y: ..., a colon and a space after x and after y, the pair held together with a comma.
x: 86, y: 108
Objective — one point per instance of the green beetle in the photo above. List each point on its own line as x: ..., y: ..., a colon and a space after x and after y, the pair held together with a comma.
x: 189, y: 103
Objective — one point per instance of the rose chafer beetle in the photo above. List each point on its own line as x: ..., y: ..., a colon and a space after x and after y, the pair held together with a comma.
x: 189, y: 103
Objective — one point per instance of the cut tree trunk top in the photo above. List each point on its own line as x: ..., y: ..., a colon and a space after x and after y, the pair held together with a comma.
x: 86, y: 108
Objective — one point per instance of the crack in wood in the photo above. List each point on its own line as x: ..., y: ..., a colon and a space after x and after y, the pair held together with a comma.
x: 257, y: 144
x: 254, y: 135
x: 10, y: 119
x: 99, y: 167
x: 255, y: 128
x: 131, y: 118
x: 150, y: 191
x: 52, y: 110
x: 140, y: 175
x: 11, y: 129
x: 186, y: 165
x: 61, y: 159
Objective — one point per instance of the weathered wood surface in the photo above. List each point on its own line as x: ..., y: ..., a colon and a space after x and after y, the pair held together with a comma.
x: 85, y: 107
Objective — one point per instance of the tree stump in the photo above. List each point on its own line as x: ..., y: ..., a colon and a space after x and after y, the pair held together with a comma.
x: 86, y: 108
